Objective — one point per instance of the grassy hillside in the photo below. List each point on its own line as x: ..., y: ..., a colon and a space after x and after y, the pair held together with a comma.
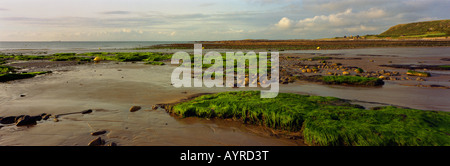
x: 438, y: 28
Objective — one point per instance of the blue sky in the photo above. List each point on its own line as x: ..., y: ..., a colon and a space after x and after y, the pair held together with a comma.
x: 175, y: 20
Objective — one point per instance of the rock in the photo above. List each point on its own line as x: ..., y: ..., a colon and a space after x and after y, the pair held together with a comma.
x: 55, y: 119
x: 96, y: 142
x: 135, y: 108
x: 37, y: 118
x: 154, y: 107
x: 345, y: 73
x: 46, y: 116
x: 381, y: 77
x: 25, y: 121
x: 17, y: 118
x: 86, y: 111
x: 22, y: 95
x: 8, y: 120
x: 359, y: 70
x: 112, y: 144
x: 98, y: 132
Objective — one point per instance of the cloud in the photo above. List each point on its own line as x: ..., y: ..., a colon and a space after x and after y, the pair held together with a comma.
x: 217, y: 20
x: 340, y: 23
x: 119, y: 12
x: 284, y: 23
x: 206, y: 4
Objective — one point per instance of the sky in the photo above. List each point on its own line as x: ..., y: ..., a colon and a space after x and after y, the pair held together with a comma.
x: 199, y: 20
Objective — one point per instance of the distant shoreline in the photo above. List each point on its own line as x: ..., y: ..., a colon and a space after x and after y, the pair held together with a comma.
x: 302, y: 44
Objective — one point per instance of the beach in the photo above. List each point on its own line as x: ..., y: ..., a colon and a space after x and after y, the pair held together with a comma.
x: 111, y: 88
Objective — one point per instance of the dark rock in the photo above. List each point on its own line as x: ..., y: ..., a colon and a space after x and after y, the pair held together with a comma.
x: 96, y: 142
x: 112, y: 144
x: 86, y: 111
x: 46, y: 116
x: 154, y: 107
x: 17, y: 118
x: 22, y: 95
x: 98, y: 132
x: 37, y: 118
x: 25, y: 121
x: 135, y: 108
x: 8, y: 120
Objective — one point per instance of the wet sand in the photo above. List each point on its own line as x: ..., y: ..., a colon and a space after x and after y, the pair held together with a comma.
x: 110, y: 89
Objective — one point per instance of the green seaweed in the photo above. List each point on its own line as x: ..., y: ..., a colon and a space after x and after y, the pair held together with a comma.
x: 326, y: 121
x: 155, y: 63
x: 15, y: 76
x: 352, y: 80
x: 417, y: 73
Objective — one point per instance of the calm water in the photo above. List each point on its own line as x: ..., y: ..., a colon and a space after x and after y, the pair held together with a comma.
x: 61, y: 45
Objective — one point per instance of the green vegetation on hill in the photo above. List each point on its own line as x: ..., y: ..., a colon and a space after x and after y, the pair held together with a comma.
x: 326, y: 121
x: 439, y: 28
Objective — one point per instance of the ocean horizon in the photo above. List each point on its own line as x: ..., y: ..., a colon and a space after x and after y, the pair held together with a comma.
x: 5, y: 45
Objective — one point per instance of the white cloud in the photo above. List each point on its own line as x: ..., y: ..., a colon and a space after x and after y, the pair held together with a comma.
x: 340, y: 23
x: 284, y: 23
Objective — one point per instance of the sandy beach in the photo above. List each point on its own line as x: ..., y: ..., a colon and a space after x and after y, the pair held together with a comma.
x: 110, y: 89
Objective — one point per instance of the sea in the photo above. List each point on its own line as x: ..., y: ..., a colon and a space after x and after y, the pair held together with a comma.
x: 63, y: 45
